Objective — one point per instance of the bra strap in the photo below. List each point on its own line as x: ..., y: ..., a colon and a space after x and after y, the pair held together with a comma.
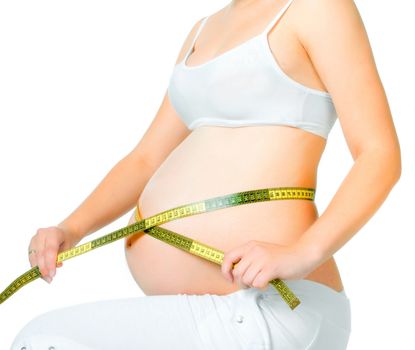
x: 277, y: 16
x: 202, y: 24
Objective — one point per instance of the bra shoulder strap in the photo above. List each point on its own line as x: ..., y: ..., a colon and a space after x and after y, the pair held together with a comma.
x: 277, y: 16
x: 199, y: 29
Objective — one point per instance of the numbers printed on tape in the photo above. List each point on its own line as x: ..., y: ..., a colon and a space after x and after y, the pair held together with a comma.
x: 150, y: 226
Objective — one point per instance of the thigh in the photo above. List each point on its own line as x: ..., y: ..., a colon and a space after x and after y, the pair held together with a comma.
x: 248, y: 319
x: 148, y: 322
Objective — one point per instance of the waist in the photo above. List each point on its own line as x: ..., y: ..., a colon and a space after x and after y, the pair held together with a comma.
x: 278, y: 215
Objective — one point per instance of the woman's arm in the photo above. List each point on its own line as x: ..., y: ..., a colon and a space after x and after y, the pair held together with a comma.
x: 361, y: 193
x: 120, y: 189
x: 338, y: 45
x: 335, y: 39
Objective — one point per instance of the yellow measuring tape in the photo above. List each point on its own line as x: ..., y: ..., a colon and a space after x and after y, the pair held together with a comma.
x: 149, y: 226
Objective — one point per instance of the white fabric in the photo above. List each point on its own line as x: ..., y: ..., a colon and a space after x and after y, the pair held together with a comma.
x: 249, y: 319
x: 245, y: 86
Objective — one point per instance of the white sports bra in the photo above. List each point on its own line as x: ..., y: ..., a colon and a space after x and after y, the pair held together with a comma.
x: 245, y: 86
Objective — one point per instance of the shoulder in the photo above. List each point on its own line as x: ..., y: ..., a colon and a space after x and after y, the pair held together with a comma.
x: 336, y: 40
x: 313, y: 16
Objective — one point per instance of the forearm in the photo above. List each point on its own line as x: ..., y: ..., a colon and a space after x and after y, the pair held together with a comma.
x: 116, y: 194
x: 364, y: 189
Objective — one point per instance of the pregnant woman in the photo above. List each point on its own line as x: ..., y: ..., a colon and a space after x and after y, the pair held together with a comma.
x: 255, y: 91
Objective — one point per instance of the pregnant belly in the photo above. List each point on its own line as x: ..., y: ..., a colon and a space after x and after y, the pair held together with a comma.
x: 214, y: 161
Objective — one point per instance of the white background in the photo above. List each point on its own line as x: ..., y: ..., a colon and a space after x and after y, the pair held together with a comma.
x: 81, y: 81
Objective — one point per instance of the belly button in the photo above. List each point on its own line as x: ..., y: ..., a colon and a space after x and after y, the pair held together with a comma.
x: 129, y: 242
x: 134, y: 237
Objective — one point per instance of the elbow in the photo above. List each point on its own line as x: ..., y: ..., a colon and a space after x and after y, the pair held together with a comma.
x: 395, y: 160
x: 387, y: 161
x: 398, y: 171
x: 392, y: 169
x: 391, y: 159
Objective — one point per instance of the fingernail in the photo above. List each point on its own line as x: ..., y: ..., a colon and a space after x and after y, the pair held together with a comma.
x: 48, y: 279
x: 52, y: 273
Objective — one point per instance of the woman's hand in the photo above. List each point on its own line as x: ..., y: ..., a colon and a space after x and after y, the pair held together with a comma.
x: 48, y: 243
x: 260, y: 262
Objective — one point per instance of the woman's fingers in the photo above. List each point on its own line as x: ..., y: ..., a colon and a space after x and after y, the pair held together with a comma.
x: 46, y: 244
x: 32, y: 258
x: 36, y: 257
x: 50, y: 255
x: 41, y: 264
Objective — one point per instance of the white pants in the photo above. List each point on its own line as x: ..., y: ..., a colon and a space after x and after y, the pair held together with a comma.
x: 248, y: 319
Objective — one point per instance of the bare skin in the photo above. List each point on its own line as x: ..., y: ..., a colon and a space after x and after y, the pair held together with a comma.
x: 321, y: 44
x: 213, y: 161
x: 188, y: 176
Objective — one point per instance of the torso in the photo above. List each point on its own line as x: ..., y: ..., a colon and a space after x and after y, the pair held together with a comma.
x: 214, y: 161
x: 200, y: 168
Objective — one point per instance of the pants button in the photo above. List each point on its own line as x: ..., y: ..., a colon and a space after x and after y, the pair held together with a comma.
x: 51, y: 348
x: 239, y: 319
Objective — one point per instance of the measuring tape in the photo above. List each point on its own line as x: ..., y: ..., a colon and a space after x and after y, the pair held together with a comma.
x: 149, y: 226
